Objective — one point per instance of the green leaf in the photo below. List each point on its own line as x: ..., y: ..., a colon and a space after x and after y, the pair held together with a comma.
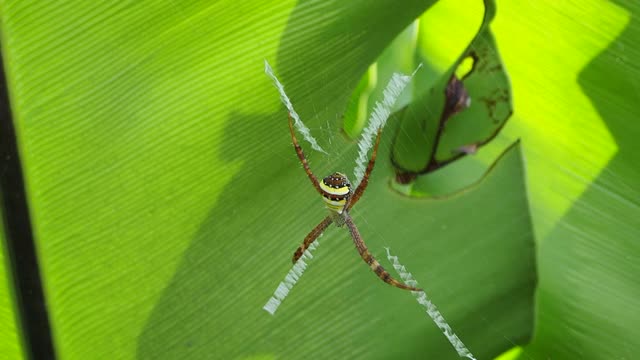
x: 147, y: 128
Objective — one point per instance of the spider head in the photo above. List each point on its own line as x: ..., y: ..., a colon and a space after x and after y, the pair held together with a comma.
x: 336, y: 190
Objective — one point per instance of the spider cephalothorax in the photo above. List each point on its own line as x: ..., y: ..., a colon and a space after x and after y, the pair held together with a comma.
x: 339, y: 198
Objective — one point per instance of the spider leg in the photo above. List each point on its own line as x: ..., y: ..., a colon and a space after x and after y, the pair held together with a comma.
x: 311, y: 237
x: 365, y: 179
x: 302, y: 158
x: 369, y: 259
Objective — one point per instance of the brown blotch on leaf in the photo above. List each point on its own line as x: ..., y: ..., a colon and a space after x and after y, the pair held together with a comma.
x: 491, y: 102
x: 405, y: 177
x: 456, y: 98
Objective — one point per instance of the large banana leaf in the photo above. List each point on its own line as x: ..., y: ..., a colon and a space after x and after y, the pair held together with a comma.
x: 166, y: 198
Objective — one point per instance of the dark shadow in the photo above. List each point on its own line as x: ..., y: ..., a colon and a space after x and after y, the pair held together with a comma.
x: 199, y: 298
x: 19, y: 244
x: 589, y: 305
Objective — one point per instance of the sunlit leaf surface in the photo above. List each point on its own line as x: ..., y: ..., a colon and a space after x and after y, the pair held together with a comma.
x: 573, y: 69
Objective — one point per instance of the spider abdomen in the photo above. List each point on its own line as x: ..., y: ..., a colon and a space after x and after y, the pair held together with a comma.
x: 336, y: 190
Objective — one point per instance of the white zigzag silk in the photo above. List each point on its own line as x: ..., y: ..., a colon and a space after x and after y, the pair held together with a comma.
x: 432, y: 311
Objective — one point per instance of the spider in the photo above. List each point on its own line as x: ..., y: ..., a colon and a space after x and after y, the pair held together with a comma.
x: 339, y: 198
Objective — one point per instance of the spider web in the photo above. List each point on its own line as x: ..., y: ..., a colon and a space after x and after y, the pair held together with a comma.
x: 432, y: 311
x: 376, y: 122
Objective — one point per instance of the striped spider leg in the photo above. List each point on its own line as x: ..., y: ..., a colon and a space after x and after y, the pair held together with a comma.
x: 336, y: 192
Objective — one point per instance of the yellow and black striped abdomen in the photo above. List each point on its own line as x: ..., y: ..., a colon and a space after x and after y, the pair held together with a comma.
x: 336, y: 190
